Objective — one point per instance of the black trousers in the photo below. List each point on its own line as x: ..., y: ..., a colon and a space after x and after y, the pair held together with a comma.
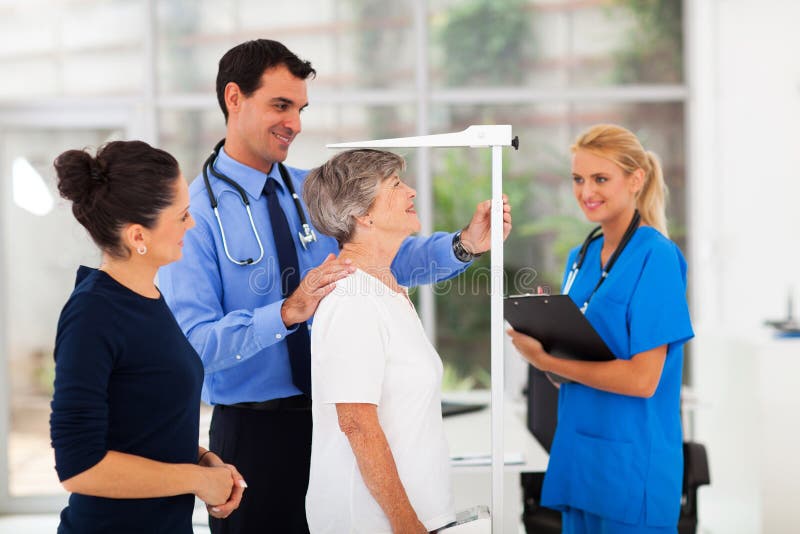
x: 272, y: 451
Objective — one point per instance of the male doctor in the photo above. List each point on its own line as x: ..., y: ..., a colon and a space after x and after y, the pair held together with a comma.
x: 249, y: 321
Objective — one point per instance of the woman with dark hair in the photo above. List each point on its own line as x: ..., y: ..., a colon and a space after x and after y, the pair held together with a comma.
x: 125, y: 410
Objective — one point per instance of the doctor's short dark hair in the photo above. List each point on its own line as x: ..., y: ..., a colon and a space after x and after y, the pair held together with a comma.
x: 345, y: 187
x: 125, y: 182
x: 245, y: 63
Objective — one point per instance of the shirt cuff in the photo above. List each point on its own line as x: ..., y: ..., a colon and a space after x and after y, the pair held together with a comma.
x: 269, y: 328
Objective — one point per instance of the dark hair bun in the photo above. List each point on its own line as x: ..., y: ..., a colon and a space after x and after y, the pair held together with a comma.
x: 126, y: 182
x: 79, y: 175
x: 99, y: 171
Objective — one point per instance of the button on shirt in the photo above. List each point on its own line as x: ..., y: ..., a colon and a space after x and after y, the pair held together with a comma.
x: 231, y: 313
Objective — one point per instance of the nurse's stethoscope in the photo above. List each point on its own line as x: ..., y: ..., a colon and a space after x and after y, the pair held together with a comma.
x: 578, y: 263
x: 307, y: 236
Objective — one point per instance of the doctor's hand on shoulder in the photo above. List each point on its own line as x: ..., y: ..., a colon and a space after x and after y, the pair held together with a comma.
x: 303, y: 302
x: 477, y: 236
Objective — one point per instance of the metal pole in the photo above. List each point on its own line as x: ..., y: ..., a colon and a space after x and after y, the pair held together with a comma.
x: 424, y: 181
x: 495, y: 136
x: 498, y: 464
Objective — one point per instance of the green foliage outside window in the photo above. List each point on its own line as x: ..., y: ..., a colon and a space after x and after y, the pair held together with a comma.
x: 534, y: 254
x: 653, y: 51
x: 483, y: 42
x: 653, y: 54
x: 488, y: 43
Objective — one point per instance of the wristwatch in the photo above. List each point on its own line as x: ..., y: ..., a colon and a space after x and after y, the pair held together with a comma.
x: 460, y: 252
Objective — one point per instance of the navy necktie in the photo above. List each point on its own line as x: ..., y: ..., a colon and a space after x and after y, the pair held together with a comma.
x: 298, y: 342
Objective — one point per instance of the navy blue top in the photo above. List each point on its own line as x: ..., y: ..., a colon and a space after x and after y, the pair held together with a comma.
x: 126, y: 380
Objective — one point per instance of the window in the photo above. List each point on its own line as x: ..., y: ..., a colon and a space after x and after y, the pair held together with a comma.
x: 548, y: 68
x: 41, y: 251
x: 385, y: 68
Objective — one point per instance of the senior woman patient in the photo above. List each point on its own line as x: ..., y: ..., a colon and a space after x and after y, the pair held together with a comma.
x: 379, y: 457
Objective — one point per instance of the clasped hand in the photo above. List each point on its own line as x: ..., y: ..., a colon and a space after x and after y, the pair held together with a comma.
x: 224, y: 486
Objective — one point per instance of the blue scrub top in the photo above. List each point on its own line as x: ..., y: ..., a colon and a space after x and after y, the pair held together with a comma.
x: 617, y: 456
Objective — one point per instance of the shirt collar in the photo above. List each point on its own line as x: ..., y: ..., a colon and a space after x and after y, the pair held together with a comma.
x: 250, y: 179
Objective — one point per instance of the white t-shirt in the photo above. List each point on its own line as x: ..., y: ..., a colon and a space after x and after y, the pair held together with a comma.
x: 368, y: 346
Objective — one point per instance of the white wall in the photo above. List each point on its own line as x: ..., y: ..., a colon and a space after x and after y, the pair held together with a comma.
x: 747, y: 84
x: 745, y: 167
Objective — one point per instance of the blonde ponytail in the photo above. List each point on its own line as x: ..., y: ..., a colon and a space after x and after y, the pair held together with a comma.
x: 619, y: 145
x: 653, y: 196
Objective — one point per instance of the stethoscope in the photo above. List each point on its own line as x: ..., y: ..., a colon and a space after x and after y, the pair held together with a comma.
x: 307, y: 236
x: 578, y: 263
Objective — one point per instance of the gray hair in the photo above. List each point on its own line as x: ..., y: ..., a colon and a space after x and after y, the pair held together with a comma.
x: 345, y: 187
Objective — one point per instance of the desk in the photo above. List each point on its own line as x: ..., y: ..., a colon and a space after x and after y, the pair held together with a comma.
x: 777, y: 402
x: 470, y: 434
x: 748, y: 401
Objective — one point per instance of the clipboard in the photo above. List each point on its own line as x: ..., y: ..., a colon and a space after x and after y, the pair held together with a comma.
x: 457, y: 408
x: 559, y: 325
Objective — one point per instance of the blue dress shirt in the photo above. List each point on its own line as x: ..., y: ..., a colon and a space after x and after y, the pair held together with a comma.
x: 617, y: 456
x: 231, y: 313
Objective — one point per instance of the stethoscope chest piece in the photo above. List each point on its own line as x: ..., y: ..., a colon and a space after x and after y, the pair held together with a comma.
x: 307, y: 236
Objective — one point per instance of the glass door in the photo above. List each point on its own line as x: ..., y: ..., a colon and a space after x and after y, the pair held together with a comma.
x: 41, y: 246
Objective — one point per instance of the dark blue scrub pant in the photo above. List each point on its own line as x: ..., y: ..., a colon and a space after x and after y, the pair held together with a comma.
x: 577, y: 521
